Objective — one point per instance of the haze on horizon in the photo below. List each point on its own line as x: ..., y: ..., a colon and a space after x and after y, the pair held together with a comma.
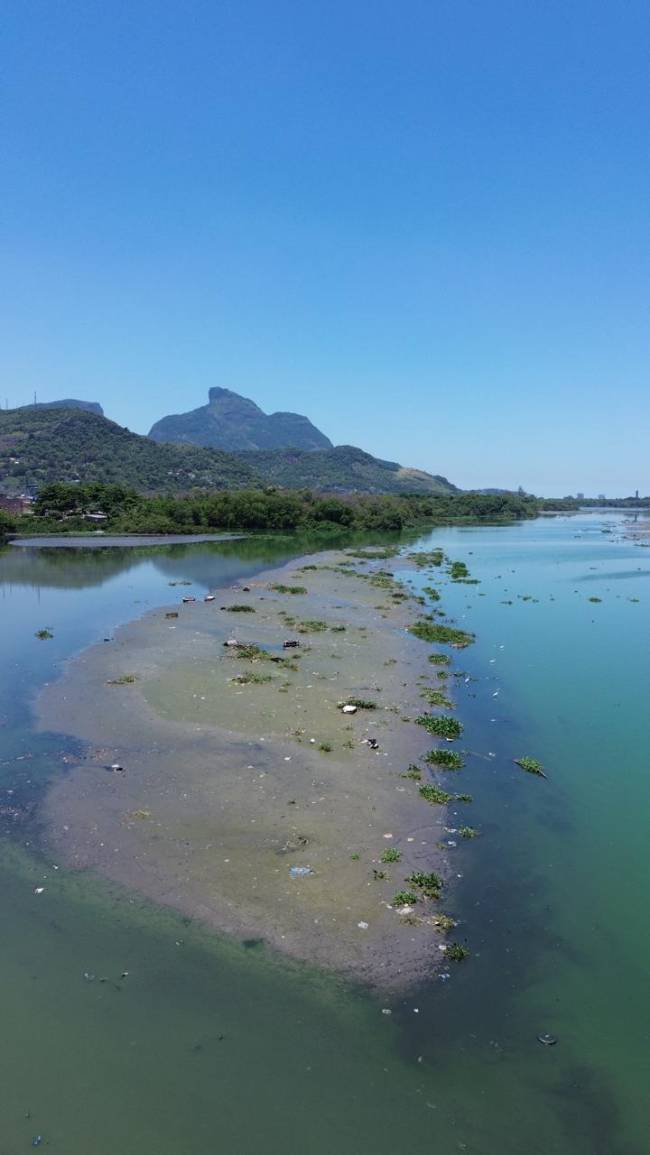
x: 424, y: 228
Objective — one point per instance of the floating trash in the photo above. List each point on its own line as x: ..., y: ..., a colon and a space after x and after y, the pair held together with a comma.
x: 547, y: 1040
x: 363, y: 925
x: 300, y: 871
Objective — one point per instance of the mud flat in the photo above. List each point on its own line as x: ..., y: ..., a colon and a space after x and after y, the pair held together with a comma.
x: 237, y: 764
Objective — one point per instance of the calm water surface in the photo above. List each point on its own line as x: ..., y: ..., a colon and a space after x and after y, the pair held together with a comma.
x: 214, y: 1046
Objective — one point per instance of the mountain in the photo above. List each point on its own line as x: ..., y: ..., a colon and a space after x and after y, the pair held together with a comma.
x: 343, y: 469
x: 39, y: 445
x: 68, y: 403
x: 233, y: 423
x: 42, y: 444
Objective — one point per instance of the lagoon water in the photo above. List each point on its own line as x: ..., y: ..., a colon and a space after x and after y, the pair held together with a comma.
x: 194, y: 1044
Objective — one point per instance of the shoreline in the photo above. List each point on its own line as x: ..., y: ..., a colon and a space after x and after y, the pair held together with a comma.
x: 123, y: 540
x: 238, y: 768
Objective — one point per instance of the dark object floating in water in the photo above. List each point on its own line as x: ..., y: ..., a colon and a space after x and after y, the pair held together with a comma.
x: 290, y: 645
x: 172, y: 614
x: 189, y: 598
x: 547, y: 1040
x: 209, y: 598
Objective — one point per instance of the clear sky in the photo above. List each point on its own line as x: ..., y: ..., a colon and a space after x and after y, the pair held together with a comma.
x: 423, y: 224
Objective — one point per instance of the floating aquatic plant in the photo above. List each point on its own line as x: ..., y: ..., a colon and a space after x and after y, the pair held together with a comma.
x: 430, y: 631
x: 456, y: 953
x: 531, y: 766
x: 432, y: 793
x: 445, y: 759
x: 441, y: 725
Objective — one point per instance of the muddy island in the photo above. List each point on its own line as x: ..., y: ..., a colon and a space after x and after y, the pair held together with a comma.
x: 253, y: 759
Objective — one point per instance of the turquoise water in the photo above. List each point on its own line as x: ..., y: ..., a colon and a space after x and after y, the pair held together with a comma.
x: 215, y: 1046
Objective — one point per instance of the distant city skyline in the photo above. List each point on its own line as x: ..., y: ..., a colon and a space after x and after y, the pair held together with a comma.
x: 426, y: 228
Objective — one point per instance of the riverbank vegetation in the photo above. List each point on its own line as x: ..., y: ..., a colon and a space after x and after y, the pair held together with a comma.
x: 121, y: 509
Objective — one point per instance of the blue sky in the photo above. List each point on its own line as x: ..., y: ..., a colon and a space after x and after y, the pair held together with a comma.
x: 424, y: 225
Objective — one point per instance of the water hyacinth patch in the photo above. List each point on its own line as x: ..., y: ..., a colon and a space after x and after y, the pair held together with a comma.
x: 445, y: 759
x: 441, y: 725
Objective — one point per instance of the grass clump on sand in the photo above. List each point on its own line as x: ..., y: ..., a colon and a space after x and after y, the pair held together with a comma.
x: 43, y: 635
x: 282, y: 589
x: 325, y: 747
x: 430, y: 884
x: 253, y: 653
x: 360, y: 703
x: 531, y: 766
x: 441, y: 725
x: 413, y: 772
x: 429, y: 631
x: 444, y: 922
x: 432, y: 793
x: 391, y: 854
x: 373, y: 554
x: 305, y: 568
x: 439, y: 659
x: 437, y: 698
x: 404, y: 898
x: 383, y: 580
x: 433, y: 557
x: 445, y: 759
x: 239, y: 608
x: 251, y: 678
x: 122, y: 680
x: 311, y: 626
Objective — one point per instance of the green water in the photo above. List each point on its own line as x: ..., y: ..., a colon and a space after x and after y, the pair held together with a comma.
x: 215, y: 1046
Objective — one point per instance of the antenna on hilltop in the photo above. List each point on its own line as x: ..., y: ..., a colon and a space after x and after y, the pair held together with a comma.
x: 34, y: 397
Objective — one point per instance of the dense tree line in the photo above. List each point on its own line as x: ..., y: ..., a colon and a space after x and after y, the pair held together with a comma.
x: 71, y: 507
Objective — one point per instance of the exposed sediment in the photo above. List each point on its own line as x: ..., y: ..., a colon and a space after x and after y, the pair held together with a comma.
x: 240, y: 764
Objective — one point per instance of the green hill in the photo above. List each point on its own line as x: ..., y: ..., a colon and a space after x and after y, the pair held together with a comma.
x: 39, y: 445
x: 42, y: 445
x: 344, y: 469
